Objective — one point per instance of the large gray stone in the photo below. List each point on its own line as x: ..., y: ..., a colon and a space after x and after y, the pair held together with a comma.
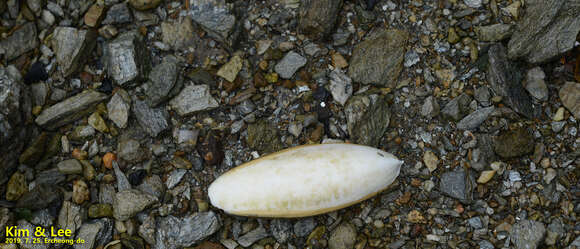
x: 165, y: 81
x: 128, y: 203
x: 215, y: 17
x: 70, y: 216
x: 252, y: 236
x: 457, y: 108
x: 458, y: 185
x: 69, y: 109
x: 72, y: 47
x: 128, y: 58
x: 379, y: 58
x: 317, y: 17
x: 173, y: 232
x: 193, y: 98
x: 527, y: 234
x: 291, y: 62
x: 152, y: 120
x: 547, y: 30
x: 179, y: 35
x: 21, y: 41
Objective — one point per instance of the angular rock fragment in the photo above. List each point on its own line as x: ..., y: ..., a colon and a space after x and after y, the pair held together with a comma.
x: 128, y: 59
x: 506, y: 80
x: 536, y: 85
x: 514, y: 143
x: 215, y: 17
x: 118, y: 108
x: 547, y: 30
x: 179, y: 35
x: 118, y: 14
x: 458, y: 185
x: 69, y: 109
x: 317, y: 17
x: 173, y: 232
x: 570, y: 97
x: 291, y: 62
x: 527, y: 234
x: 369, y: 130
x: 474, y: 120
x: 165, y: 81
x: 193, y: 98
x: 21, y: 41
x: 495, y: 32
x: 152, y: 120
x: 379, y: 58
x: 72, y: 47
x: 457, y: 108
x: 230, y: 70
x: 128, y: 203
x: 340, y: 86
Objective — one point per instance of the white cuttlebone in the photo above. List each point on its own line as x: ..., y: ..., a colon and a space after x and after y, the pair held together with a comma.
x: 304, y: 181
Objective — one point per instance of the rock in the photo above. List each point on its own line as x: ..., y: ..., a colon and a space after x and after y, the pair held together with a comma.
x: 340, y: 86
x: 144, y: 4
x: 173, y: 232
x: 547, y: 30
x: 373, y: 124
x: 458, y: 185
x: 475, y: 119
x: 80, y: 192
x: 82, y: 132
x: 52, y: 176
x: 411, y: 58
x: 165, y: 81
x: 379, y: 58
x: 30, y: 236
x: 71, y: 166
x: 70, y: 217
x: 39, y: 90
x: 94, y: 15
x: 342, y: 237
x: 106, y: 193
x: 291, y: 62
x: 317, y: 18
x: 431, y: 160
x: 147, y: 230
x: 128, y: 203
x: 118, y: 14
x: 100, y: 210
x: 430, y: 108
x: 558, y: 126
x: 16, y: 187
x: 303, y: 227
x: 128, y: 59
x: 263, y: 137
x: 179, y: 34
x: 554, y: 232
x: 281, y: 229
x: 193, y: 98
x: 452, y: 36
x: 21, y: 41
x: 70, y: 109
x: 122, y: 181
x: 118, y: 108
x: 40, y: 197
x: 130, y: 150
x: 570, y: 96
x: 72, y: 47
x: 457, y: 108
x: 15, y: 106
x: 214, y: 17
x: 249, y: 238
x: 152, y: 120
x: 230, y: 70
x: 89, y: 232
x: 505, y: 79
x: 514, y: 143
x: 96, y: 121
x: 175, y: 177
x: 527, y: 234
x: 35, y: 151
x: 494, y: 32
x: 550, y: 175
x: 485, y: 176
x: 473, y: 3
x: 535, y: 84
x: 136, y: 177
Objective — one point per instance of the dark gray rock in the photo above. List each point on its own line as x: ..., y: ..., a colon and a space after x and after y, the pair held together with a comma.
x: 483, y: 96
x: 506, y: 80
x: 475, y: 119
x: 52, y: 176
x: 70, y: 109
x: 457, y: 108
x: 152, y: 120
x: 215, y: 17
x: 494, y: 32
x: 173, y: 232
x: 430, y: 107
x: 72, y: 47
x: 514, y: 143
x: 369, y: 130
x: 317, y: 17
x: 303, y: 227
x: 379, y: 58
x: 165, y: 81
x: 21, y: 41
x: 547, y: 30
x: 118, y: 14
x: 263, y: 137
x: 152, y: 185
x: 281, y: 229
x: 291, y: 62
x: 40, y: 197
x: 457, y: 184
x: 128, y: 60
x: 527, y: 234
x: 118, y: 108
x: 249, y: 238
x: 128, y: 203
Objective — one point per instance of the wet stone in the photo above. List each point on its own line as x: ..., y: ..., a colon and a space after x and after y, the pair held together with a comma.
x: 72, y: 48
x: 291, y: 62
x: 69, y: 109
x: 193, y: 98
x: 379, y: 58
x: 128, y: 59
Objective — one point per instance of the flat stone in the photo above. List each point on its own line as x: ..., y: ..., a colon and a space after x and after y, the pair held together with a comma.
x: 40, y: 197
x: 506, y: 80
x: 118, y: 108
x: 369, y: 130
x: 94, y: 15
x: 193, y: 98
x: 128, y: 203
x: 570, y: 97
x: 70, y: 216
x: 118, y: 14
x: 291, y: 62
x: 547, y: 30
x: 179, y: 34
x: 252, y: 236
x: 71, y: 166
x: 535, y: 84
x: 230, y: 70
x: 128, y: 58
x: 475, y: 119
x: 215, y: 17
x: 70, y: 109
x: 152, y: 120
x: 342, y: 237
x: 21, y: 41
x: 317, y: 18
x: 514, y: 143
x: 379, y: 58
x: 430, y: 107
x: 16, y: 187
x: 457, y: 184
x: 281, y: 229
x: 173, y: 232
x: 165, y: 81
x: 263, y: 137
x: 72, y: 47
x: 431, y: 160
x: 340, y: 86
x: 527, y: 234
x: 144, y: 4
x: 494, y: 32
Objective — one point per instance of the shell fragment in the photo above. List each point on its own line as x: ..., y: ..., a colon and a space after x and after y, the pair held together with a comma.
x: 304, y: 181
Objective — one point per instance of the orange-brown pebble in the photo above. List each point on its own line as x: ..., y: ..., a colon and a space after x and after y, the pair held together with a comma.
x: 459, y: 208
x: 79, y: 154
x: 108, y: 160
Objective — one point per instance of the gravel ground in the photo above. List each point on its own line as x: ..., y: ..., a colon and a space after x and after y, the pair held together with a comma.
x: 115, y: 116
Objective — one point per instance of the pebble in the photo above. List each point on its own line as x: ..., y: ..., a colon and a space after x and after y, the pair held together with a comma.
x: 340, y: 86
x: 550, y: 175
x: 249, y: 238
x: 569, y: 94
x: 342, y: 237
x: 535, y: 84
x: 71, y: 166
x: 230, y: 70
x: 430, y: 107
x: 431, y: 160
x: 485, y: 176
x: 527, y: 234
x: 128, y: 203
x: 193, y: 98
x: 80, y: 192
x: 291, y: 62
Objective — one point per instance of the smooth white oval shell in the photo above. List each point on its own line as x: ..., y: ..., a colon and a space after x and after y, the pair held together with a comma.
x: 304, y: 181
